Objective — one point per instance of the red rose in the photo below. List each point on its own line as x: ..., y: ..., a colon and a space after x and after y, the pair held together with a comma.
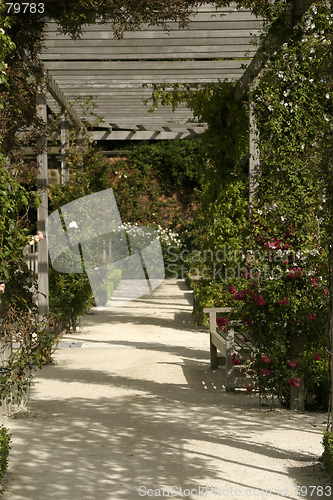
x: 294, y: 382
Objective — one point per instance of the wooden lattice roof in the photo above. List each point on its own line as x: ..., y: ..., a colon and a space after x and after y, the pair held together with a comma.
x: 217, y: 46
x: 213, y: 48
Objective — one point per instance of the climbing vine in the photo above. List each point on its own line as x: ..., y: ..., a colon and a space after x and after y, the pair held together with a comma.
x: 285, y: 290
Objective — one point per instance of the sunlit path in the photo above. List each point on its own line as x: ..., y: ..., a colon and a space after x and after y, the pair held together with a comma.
x: 131, y: 407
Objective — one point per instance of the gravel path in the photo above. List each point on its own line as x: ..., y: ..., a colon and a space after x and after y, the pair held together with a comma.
x: 131, y: 410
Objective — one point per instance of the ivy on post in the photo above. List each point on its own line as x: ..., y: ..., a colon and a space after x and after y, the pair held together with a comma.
x: 253, y: 153
x: 64, y: 146
x: 42, y: 213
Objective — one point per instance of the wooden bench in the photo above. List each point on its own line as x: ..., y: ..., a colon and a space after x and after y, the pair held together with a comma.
x: 227, y: 344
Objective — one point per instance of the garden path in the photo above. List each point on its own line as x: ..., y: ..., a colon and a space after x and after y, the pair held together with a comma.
x: 132, y: 407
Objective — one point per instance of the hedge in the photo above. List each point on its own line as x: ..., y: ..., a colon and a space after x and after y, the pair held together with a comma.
x: 4, y: 450
x: 328, y: 451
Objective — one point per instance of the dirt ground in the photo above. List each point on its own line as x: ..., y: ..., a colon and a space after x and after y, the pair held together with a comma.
x: 130, y: 410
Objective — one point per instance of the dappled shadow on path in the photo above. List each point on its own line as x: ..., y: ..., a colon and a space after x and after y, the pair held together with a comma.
x: 152, y: 435
x: 143, y: 413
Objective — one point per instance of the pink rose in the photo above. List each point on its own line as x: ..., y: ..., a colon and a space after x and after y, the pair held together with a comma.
x: 260, y: 300
x: 316, y: 357
x: 294, y: 382
x: 221, y: 321
x: 235, y: 361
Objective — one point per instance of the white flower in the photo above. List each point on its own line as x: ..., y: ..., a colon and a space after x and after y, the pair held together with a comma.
x: 2, y: 31
x: 2, y: 287
x: 260, y: 212
x: 327, y: 96
x: 73, y: 225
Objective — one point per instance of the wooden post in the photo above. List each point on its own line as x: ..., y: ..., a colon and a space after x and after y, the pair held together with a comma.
x: 229, y: 367
x: 64, y: 175
x: 42, y: 214
x: 254, y: 156
x: 331, y: 322
x: 213, y: 349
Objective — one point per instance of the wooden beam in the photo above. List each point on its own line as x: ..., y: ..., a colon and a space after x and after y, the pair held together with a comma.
x: 141, y: 67
x: 58, y: 95
x: 143, y: 135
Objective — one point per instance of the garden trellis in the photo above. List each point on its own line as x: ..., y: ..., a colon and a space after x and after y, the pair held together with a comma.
x: 118, y: 75
x: 217, y: 46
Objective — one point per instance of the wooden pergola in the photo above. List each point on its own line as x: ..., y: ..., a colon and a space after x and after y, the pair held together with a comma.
x: 218, y: 46
x: 118, y: 74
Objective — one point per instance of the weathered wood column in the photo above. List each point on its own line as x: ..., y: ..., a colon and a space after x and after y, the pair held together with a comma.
x: 254, y: 155
x: 42, y: 213
x: 64, y: 137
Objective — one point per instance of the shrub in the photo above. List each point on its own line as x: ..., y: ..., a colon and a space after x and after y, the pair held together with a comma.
x: 4, y: 450
x: 328, y: 451
x: 30, y: 343
x: 70, y: 298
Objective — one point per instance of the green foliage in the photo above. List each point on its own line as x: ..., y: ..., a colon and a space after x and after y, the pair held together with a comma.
x: 6, y: 46
x: 152, y: 188
x: 70, y: 298
x: 108, y: 285
x: 289, y: 242
x: 14, y: 273
x: 5, y: 438
x: 30, y: 343
x: 123, y: 16
x: 328, y: 451
x: 155, y: 183
x: 280, y: 261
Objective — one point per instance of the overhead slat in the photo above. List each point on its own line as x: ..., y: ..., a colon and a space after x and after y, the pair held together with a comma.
x: 125, y: 66
x: 213, y: 48
x: 200, y: 39
x: 183, y: 52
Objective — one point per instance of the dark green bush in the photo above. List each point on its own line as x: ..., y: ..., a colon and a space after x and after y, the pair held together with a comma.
x: 104, y: 293
x: 4, y: 450
x: 328, y: 451
x: 70, y: 298
x: 108, y: 286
